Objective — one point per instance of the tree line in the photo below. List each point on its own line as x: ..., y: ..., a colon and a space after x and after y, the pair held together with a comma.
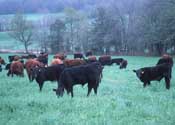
x: 130, y: 27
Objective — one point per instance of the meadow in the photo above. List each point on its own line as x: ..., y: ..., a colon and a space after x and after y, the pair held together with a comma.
x: 121, y: 100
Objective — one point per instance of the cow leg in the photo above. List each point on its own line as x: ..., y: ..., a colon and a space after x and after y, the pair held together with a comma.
x: 95, y: 90
x: 89, y: 90
x: 71, y: 90
x: 144, y: 84
x: 167, y: 81
x: 149, y: 83
x: 9, y: 72
x: 40, y: 86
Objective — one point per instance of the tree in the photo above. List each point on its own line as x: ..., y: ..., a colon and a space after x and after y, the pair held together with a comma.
x: 56, y: 37
x: 22, y: 30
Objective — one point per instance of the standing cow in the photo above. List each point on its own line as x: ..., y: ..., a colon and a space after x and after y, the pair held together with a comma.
x: 148, y: 74
x: 90, y: 74
x: 50, y: 73
x: 16, y: 68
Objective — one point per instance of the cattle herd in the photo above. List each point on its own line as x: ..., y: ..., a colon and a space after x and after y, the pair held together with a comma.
x: 80, y: 70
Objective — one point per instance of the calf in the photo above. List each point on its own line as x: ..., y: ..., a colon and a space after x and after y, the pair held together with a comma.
x: 50, y: 73
x: 148, y: 74
x: 90, y: 74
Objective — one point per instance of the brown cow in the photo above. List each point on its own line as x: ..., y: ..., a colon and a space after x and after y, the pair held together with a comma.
x: 2, y: 61
x: 91, y: 59
x: 17, y: 68
x: 56, y: 61
x: 105, y: 60
x: 73, y: 62
x: 30, y: 64
x: 61, y: 56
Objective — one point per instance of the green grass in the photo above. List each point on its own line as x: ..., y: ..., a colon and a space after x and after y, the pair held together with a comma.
x: 121, y: 99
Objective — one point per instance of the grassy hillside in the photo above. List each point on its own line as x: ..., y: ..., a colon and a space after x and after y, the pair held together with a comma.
x: 121, y: 99
x: 6, y: 42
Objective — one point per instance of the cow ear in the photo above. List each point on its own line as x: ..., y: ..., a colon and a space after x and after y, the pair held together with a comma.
x: 134, y: 70
x: 54, y: 90
x: 142, y: 72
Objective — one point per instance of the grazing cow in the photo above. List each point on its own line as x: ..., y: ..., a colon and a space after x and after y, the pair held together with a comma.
x: 105, y: 60
x: 91, y: 59
x: 17, y: 68
x: 13, y: 58
x: 165, y: 59
x: 50, y: 73
x: 117, y: 61
x: 90, y: 74
x: 2, y: 61
x: 7, y: 67
x: 61, y: 56
x: 43, y: 58
x: 56, y: 61
x: 73, y: 62
x: 123, y: 64
x: 148, y: 74
x: 78, y: 55
x: 30, y: 64
x: 88, y: 53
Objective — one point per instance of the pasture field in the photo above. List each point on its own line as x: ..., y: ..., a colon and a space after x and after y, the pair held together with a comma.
x: 121, y: 100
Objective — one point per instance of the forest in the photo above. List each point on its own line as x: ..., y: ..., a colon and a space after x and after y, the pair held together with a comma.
x: 119, y: 27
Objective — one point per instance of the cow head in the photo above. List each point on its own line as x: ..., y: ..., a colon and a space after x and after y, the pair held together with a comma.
x: 139, y: 73
x: 35, y: 72
x: 59, y: 91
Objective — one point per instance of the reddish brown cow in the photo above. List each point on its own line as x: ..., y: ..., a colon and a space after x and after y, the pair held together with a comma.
x: 105, y: 60
x: 16, y: 68
x: 91, y: 59
x: 30, y: 64
x: 56, y: 61
x: 61, y: 56
x: 73, y: 62
x: 2, y: 61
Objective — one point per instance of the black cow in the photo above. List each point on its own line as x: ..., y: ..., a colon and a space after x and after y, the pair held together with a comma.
x: 90, y: 73
x: 50, y: 73
x: 123, y: 64
x: 43, y: 58
x: 78, y: 55
x: 148, y: 74
x: 168, y: 60
x: 117, y: 61
x: 88, y: 53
